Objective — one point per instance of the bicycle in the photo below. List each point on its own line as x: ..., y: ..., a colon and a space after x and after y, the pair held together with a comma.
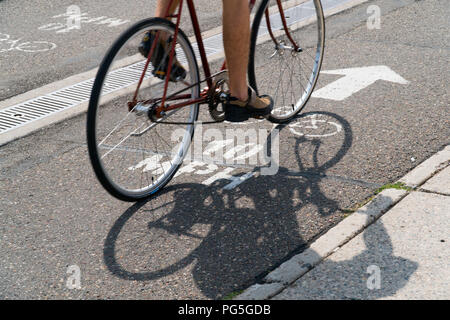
x: 128, y: 105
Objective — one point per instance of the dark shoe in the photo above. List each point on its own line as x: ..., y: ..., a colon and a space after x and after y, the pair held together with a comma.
x: 255, y: 107
x: 160, y: 57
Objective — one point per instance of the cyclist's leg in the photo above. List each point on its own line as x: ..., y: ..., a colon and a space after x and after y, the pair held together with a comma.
x: 236, y: 36
x: 160, y: 58
x: 244, y: 102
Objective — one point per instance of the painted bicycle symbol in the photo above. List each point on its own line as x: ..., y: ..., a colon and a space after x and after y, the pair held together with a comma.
x: 314, y: 127
x: 7, y: 44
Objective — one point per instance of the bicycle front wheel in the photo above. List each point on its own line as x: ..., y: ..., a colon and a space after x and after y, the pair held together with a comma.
x: 134, y: 156
x: 286, y: 65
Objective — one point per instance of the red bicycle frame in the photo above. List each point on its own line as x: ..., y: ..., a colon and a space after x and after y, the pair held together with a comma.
x: 205, y: 64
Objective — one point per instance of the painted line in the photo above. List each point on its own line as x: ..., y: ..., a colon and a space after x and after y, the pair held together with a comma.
x: 238, y: 180
x: 61, y: 100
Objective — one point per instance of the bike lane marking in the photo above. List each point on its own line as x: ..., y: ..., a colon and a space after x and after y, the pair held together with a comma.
x: 74, y: 18
x: 234, y: 157
x: 25, y: 46
x: 355, y: 80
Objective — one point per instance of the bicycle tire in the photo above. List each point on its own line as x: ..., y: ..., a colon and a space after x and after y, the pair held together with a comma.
x: 103, y: 177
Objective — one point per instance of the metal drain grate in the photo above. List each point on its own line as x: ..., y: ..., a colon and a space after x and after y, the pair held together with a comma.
x: 35, y: 109
x: 24, y: 113
x: 31, y: 110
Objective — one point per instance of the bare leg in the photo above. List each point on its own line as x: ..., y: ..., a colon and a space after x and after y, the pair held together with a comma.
x: 162, y: 5
x: 236, y: 36
x: 160, y: 12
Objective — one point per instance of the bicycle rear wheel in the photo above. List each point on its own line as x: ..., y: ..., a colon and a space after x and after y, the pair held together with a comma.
x: 132, y: 156
x: 275, y: 67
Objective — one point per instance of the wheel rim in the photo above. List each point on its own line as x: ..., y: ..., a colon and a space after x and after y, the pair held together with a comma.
x: 136, y: 156
x: 288, y: 76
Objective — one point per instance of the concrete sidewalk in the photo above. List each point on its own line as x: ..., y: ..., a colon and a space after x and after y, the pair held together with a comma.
x: 395, y: 247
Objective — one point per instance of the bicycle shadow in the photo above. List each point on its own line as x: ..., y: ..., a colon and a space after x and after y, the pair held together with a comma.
x: 228, y: 239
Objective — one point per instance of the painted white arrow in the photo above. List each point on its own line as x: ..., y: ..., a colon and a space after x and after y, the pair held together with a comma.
x: 355, y: 80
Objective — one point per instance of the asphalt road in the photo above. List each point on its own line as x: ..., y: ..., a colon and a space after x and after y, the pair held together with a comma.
x: 196, y: 241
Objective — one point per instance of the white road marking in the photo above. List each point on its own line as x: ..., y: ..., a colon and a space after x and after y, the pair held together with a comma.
x: 225, y: 174
x: 26, y: 46
x: 354, y: 80
x: 312, y: 123
x: 238, y: 180
x: 149, y: 164
x: 194, y: 166
x: 82, y: 18
x: 307, y: 127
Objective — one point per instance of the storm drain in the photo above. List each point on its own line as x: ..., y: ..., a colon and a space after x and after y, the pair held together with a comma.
x: 24, y: 113
x: 35, y: 109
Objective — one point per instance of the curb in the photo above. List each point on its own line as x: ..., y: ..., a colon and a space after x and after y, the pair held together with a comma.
x: 421, y: 173
x: 293, y: 269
